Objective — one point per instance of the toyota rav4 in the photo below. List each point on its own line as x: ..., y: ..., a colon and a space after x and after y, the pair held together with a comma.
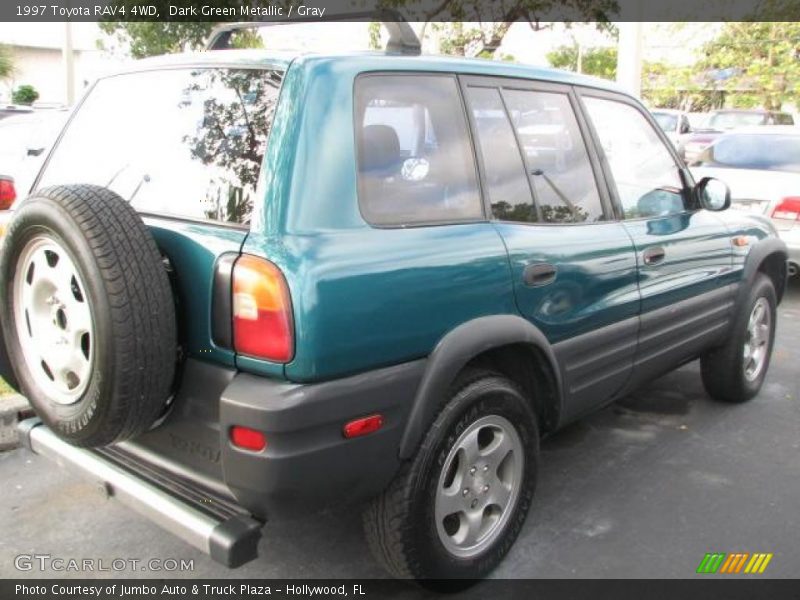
x: 248, y: 285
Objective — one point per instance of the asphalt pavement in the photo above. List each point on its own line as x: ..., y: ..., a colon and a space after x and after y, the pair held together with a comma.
x: 641, y: 489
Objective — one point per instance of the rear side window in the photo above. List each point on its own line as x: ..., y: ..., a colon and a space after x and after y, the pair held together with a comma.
x: 415, y: 163
x: 506, y: 182
x: 180, y: 142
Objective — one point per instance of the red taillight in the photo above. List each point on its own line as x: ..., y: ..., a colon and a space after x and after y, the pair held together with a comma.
x: 262, y: 311
x: 788, y: 208
x: 248, y: 439
x: 7, y: 193
x: 363, y: 426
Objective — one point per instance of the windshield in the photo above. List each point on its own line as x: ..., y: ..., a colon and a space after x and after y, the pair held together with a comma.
x: 729, y: 120
x: 667, y: 121
x: 767, y: 152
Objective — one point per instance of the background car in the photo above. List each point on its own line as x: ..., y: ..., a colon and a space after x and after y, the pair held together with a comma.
x: 720, y: 121
x: 24, y: 142
x: 761, y: 165
x: 11, y: 110
x: 675, y: 123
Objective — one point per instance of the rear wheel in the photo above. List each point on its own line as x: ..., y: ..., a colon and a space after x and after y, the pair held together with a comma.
x: 454, y: 511
x: 736, y: 371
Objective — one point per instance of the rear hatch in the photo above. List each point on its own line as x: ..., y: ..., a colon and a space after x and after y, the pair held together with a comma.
x: 185, y: 147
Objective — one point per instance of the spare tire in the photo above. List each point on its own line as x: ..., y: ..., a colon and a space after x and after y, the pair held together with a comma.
x: 87, y: 314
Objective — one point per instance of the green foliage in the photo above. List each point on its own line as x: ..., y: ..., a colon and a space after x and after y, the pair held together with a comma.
x: 6, y: 62
x: 375, y: 35
x: 24, y: 94
x: 496, y: 18
x: 159, y: 37
x: 600, y: 62
x: 763, y: 60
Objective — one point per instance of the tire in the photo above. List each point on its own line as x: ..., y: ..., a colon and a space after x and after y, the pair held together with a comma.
x: 87, y: 314
x: 6, y: 372
x: 402, y: 525
x: 728, y: 375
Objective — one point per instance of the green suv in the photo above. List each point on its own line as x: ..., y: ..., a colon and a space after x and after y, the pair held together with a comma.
x: 248, y: 285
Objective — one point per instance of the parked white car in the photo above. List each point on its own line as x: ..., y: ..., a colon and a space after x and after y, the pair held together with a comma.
x: 674, y: 123
x: 761, y: 165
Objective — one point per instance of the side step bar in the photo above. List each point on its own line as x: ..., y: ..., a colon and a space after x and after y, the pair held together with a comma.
x: 229, y: 538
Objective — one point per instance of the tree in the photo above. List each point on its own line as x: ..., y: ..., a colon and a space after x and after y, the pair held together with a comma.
x: 494, y: 19
x: 25, y: 94
x: 165, y: 37
x: 6, y: 62
x: 160, y: 37
x: 755, y: 62
x: 600, y: 62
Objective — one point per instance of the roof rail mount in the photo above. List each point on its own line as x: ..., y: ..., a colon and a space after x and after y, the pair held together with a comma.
x: 402, y: 38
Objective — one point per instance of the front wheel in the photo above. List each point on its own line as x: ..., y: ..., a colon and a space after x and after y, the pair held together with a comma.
x: 736, y: 371
x: 454, y: 511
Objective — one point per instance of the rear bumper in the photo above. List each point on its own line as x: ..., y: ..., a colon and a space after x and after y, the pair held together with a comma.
x: 307, y: 464
x: 186, y: 475
x: 792, y: 240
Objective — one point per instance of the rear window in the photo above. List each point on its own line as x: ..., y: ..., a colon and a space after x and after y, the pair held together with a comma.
x: 415, y: 162
x: 183, y: 142
x: 768, y: 152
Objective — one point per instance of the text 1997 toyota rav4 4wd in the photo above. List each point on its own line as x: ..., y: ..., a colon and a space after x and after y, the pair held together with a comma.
x: 248, y: 286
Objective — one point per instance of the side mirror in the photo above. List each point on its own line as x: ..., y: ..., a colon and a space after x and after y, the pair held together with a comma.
x: 713, y: 194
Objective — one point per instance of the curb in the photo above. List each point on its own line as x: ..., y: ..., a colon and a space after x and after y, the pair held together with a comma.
x: 10, y: 408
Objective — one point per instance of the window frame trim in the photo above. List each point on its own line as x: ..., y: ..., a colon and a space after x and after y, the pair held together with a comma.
x: 483, y: 218
x: 683, y: 172
x: 540, y: 85
x: 177, y: 67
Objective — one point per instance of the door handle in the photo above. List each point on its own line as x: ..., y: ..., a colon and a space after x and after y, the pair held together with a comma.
x: 539, y: 274
x: 653, y: 255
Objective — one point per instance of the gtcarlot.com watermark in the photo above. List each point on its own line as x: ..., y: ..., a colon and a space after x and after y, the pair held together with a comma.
x: 57, y: 564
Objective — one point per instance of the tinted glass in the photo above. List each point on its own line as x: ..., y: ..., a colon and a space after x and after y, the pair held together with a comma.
x: 667, y: 122
x: 645, y: 174
x: 729, y: 120
x: 764, y: 152
x: 187, y: 143
x: 556, y: 157
x: 415, y: 163
x: 506, y: 181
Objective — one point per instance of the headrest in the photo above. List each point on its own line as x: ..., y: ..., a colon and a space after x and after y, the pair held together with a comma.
x: 380, y: 148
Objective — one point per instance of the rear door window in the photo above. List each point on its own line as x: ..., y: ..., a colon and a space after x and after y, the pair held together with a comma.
x: 415, y: 162
x: 556, y: 157
x: 180, y: 142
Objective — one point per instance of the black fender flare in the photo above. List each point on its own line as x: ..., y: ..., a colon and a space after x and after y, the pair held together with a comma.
x: 453, y: 352
x: 755, y: 258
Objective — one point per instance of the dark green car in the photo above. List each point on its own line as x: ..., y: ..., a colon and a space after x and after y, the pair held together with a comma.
x: 249, y: 286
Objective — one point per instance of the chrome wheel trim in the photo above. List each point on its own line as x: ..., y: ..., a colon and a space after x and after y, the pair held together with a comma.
x: 53, y: 320
x: 479, y: 486
x: 756, y: 345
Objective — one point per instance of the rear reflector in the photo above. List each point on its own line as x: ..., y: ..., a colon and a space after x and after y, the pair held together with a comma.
x: 363, y: 426
x: 788, y: 208
x: 8, y: 193
x: 248, y: 439
x: 262, y: 311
